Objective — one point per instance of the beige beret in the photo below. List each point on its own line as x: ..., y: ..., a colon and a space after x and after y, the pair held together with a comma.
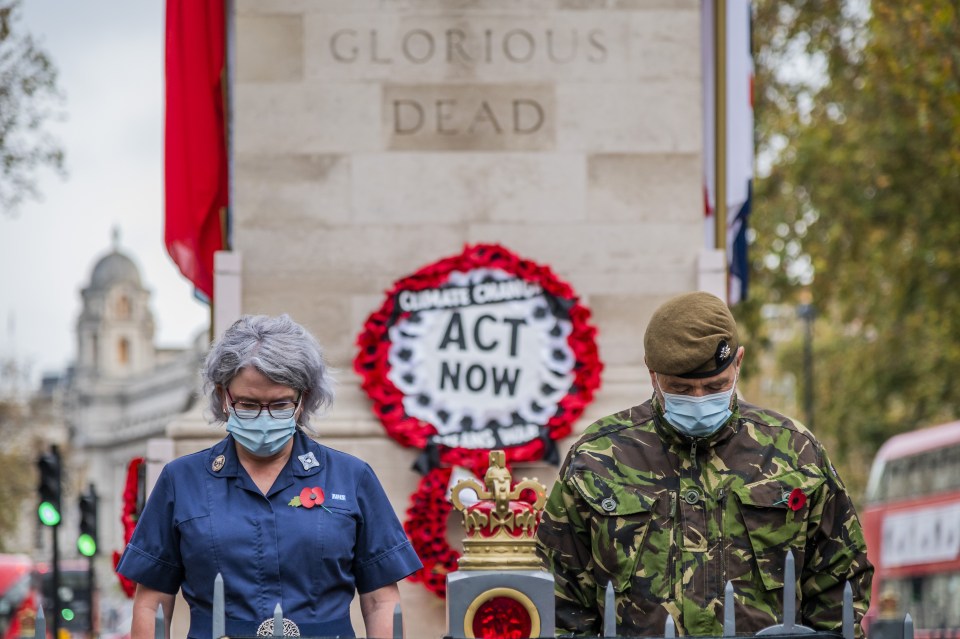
x: 692, y: 335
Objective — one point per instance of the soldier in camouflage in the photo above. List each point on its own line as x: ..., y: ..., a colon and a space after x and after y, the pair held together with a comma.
x: 670, y: 499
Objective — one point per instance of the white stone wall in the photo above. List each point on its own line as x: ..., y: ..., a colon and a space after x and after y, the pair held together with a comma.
x: 373, y: 137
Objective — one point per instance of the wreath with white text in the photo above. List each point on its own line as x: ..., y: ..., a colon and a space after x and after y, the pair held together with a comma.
x: 478, y: 351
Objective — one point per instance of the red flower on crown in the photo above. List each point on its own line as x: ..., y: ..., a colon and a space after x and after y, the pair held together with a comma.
x: 310, y: 497
x: 797, y: 499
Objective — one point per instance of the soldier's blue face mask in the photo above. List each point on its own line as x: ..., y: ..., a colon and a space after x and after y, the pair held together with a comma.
x: 698, y: 416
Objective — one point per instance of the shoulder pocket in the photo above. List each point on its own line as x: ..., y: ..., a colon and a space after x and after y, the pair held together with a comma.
x: 619, y: 523
x: 775, y: 523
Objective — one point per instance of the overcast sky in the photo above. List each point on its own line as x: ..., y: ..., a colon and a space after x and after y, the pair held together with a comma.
x: 110, y: 59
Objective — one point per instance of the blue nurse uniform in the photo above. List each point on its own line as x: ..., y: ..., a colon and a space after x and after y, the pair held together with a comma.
x: 205, y: 515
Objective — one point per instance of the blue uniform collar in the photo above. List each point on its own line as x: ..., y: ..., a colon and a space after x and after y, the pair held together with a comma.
x: 306, y: 459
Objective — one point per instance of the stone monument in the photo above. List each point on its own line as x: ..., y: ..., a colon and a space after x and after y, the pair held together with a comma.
x: 373, y: 137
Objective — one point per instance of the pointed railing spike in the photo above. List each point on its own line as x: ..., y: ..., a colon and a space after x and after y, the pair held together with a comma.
x: 158, y: 624
x: 789, y: 625
x: 729, y: 614
x: 218, y: 624
x: 397, y: 622
x: 789, y: 593
x: 277, y: 621
x: 908, y: 626
x: 669, y: 628
x: 848, y: 611
x: 609, y: 612
x: 40, y: 629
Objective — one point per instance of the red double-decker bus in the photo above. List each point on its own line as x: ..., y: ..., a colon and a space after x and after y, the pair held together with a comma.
x: 912, y: 526
x: 18, y: 598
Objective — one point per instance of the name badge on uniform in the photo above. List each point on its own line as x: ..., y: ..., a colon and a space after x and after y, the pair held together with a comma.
x: 308, y: 460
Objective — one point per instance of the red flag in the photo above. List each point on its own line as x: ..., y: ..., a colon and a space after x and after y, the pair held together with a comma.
x: 195, y: 139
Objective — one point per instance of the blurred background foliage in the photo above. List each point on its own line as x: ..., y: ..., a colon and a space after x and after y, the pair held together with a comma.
x: 17, y: 486
x: 857, y: 211
x: 30, y: 101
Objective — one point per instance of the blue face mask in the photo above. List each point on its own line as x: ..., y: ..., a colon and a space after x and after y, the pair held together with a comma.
x: 263, y: 436
x: 698, y: 416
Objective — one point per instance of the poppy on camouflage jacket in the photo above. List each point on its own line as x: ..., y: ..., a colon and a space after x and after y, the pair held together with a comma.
x: 669, y: 520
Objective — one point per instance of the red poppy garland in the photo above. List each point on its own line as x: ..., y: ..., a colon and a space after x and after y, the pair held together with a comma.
x: 128, y: 517
x: 426, y: 526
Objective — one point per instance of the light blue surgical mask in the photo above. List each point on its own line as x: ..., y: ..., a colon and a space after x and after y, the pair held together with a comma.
x: 263, y: 436
x: 698, y: 416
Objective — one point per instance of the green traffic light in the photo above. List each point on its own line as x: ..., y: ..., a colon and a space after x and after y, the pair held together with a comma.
x: 49, y: 515
x: 67, y: 614
x: 87, y: 545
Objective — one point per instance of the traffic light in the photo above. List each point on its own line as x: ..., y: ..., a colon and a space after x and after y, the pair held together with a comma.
x: 87, y: 541
x: 49, y: 488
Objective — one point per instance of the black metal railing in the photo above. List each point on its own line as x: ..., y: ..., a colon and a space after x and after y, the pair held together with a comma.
x: 788, y: 629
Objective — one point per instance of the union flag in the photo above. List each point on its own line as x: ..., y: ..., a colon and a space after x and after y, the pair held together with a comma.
x: 737, y: 157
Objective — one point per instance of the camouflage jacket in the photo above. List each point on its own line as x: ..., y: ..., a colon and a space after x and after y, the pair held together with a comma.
x: 669, y: 520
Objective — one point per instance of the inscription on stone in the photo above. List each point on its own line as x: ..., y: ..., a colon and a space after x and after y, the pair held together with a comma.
x: 460, y: 46
x: 470, y: 81
x: 462, y: 117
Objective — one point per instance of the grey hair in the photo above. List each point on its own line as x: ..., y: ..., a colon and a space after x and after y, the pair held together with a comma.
x: 282, y: 350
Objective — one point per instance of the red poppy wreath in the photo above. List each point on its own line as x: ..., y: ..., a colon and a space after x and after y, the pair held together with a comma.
x: 426, y: 526
x: 128, y: 517
x: 479, y: 351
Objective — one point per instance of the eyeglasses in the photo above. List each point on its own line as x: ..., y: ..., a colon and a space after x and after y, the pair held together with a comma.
x: 282, y: 409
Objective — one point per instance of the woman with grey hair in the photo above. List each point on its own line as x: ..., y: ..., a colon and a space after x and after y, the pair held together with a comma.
x: 284, y: 519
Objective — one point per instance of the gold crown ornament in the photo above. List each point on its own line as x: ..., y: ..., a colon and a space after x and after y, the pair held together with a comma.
x: 502, y: 525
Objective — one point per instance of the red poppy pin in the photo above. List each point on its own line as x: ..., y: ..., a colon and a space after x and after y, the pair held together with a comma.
x: 308, y: 498
x: 795, y: 499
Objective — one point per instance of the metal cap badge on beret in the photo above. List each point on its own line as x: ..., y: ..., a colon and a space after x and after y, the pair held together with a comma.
x: 692, y: 336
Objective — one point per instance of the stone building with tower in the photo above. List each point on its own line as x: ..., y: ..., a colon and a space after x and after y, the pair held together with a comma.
x: 122, y: 391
